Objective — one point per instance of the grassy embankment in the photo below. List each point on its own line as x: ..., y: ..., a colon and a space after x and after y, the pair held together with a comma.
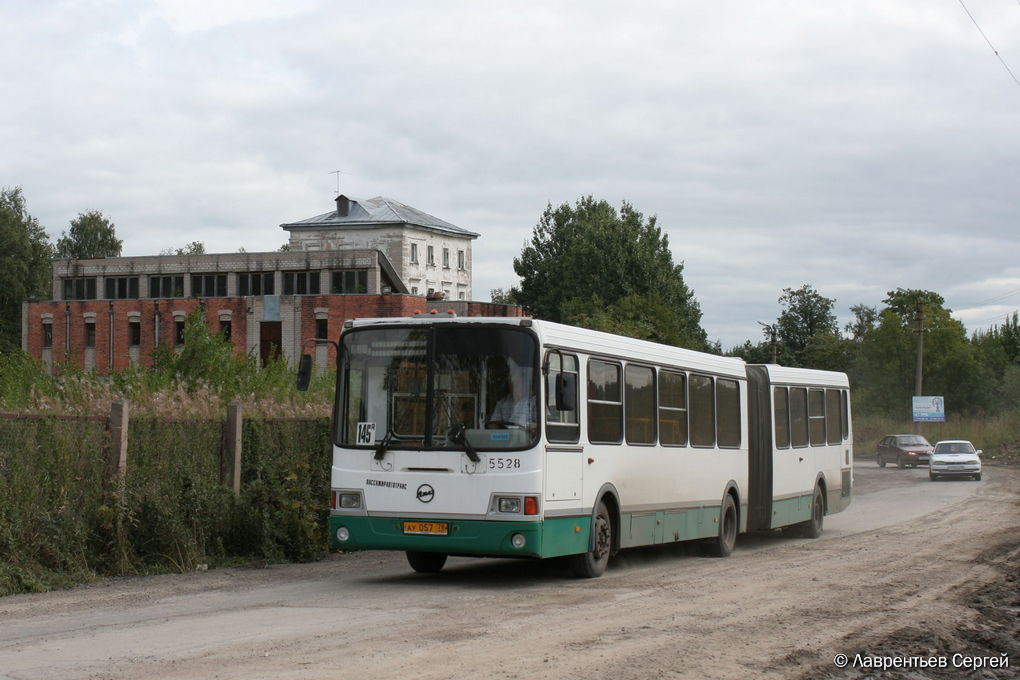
x: 998, y: 436
x: 65, y: 515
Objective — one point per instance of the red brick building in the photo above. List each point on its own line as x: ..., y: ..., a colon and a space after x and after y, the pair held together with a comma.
x: 110, y: 313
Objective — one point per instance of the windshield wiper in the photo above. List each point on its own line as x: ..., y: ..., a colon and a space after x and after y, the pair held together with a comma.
x: 458, y: 435
x: 380, y: 451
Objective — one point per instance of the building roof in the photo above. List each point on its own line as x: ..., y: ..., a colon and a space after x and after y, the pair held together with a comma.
x: 376, y: 212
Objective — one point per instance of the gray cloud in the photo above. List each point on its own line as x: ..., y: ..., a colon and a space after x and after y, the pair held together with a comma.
x: 857, y: 148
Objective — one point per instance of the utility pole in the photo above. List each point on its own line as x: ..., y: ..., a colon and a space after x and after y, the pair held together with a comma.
x: 919, y: 374
x: 919, y: 371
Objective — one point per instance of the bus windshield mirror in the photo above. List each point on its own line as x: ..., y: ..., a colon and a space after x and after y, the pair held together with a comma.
x: 566, y: 391
x: 304, y: 374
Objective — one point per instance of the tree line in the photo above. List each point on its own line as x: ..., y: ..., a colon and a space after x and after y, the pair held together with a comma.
x: 27, y: 254
x: 590, y: 265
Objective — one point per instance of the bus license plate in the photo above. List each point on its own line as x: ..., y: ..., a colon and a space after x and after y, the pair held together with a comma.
x: 427, y: 528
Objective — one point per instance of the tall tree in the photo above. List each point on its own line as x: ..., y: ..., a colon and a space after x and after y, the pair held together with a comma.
x: 806, y: 314
x: 91, y: 236
x: 865, y: 320
x: 583, y: 260
x: 885, y: 369
x: 25, y: 264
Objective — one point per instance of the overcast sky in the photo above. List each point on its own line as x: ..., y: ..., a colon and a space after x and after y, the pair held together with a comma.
x: 856, y: 147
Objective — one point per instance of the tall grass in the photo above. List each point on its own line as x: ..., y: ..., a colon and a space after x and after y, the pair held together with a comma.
x: 65, y: 517
x: 998, y: 435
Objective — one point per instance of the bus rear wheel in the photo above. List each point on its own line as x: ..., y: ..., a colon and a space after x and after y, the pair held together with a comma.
x: 426, y: 562
x: 722, y: 545
x: 592, y: 564
x: 813, y: 527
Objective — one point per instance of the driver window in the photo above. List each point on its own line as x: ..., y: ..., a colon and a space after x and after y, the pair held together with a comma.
x: 561, y: 426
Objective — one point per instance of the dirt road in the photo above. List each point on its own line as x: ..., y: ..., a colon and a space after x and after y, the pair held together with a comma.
x: 914, y: 567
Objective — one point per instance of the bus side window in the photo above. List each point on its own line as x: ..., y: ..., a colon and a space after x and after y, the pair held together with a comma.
x: 816, y: 416
x: 727, y: 406
x: 833, y: 428
x: 672, y: 408
x: 844, y: 397
x: 561, y: 426
x: 639, y: 405
x: 605, y: 406
x: 798, y: 416
x: 702, y: 410
x: 781, y: 414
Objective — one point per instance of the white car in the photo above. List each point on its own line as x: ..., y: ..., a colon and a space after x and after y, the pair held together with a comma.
x: 954, y: 458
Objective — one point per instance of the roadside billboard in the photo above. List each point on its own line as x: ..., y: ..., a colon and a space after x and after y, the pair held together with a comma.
x: 929, y: 410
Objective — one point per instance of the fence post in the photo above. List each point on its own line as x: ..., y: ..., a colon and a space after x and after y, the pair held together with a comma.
x: 119, y: 434
x: 234, y: 423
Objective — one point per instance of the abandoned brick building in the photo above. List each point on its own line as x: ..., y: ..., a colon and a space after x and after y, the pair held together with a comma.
x: 371, y: 258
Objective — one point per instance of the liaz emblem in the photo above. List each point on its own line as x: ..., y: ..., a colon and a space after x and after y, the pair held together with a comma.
x: 426, y: 493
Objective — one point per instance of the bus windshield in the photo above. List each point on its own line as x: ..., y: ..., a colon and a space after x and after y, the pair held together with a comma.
x: 433, y: 387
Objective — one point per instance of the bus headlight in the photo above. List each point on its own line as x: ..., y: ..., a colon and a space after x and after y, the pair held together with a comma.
x: 343, y: 534
x: 510, y: 504
x: 346, y: 500
x: 518, y: 541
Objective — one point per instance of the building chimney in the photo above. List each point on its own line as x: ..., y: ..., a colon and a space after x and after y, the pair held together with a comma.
x: 343, y: 206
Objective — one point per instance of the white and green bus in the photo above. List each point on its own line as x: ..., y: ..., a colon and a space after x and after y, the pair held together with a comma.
x: 517, y: 437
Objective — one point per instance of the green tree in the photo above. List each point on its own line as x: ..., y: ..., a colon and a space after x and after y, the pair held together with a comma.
x: 952, y: 367
x: 25, y: 264
x: 806, y: 314
x: 753, y: 354
x: 193, y: 248
x: 501, y: 297
x: 637, y: 316
x: 865, y: 320
x: 91, y: 236
x: 588, y: 260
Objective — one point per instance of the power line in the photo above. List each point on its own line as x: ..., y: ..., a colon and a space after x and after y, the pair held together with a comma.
x: 997, y: 317
x: 997, y: 297
x: 1003, y: 61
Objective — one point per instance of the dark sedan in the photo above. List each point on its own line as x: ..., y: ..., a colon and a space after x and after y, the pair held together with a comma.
x: 904, y: 450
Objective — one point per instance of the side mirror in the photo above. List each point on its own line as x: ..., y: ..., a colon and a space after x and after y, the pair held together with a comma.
x: 304, y: 373
x: 566, y: 391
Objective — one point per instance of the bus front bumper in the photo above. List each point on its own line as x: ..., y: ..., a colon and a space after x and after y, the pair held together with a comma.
x: 548, y: 538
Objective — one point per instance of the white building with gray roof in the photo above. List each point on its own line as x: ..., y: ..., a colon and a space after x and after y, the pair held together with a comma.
x: 429, y: 255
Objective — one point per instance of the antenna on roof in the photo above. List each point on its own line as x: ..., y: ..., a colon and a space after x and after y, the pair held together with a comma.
x: 337, y: 173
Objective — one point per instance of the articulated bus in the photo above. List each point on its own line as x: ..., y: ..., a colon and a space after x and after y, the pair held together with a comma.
x: 525, y: 438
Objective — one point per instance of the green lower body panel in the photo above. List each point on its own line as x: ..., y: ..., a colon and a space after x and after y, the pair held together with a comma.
x: 791, y: 511
x: 668, y: 526
x: 548, y: 538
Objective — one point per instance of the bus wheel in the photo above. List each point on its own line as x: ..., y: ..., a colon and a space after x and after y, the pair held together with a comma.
x: 592, y: 564
x: 813, y: 527
x: 722, y: 546
x: 426, y: 562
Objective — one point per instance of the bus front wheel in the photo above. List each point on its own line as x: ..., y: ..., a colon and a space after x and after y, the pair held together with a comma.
x: 722, y: 545
x: 592, y: 564
x: 426, y: 562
